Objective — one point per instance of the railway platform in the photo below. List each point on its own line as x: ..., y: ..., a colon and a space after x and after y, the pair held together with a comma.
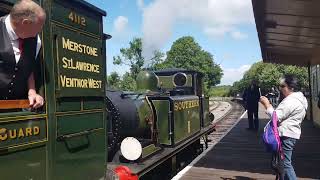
x: 240, y: 155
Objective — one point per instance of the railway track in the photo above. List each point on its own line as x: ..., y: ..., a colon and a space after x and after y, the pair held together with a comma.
x: 214, y: 105
x: 225, y: 123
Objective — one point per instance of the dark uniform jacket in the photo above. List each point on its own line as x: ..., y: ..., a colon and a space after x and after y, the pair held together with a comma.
x: 251, y: 97
x: 14, y: 76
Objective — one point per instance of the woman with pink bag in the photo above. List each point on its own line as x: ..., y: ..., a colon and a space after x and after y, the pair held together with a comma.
x: 291, y: 112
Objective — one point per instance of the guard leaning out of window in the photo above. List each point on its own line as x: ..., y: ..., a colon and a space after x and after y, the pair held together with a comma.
x: 19, y: 47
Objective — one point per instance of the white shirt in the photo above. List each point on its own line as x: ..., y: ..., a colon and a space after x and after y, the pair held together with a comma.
x: 15, y: 42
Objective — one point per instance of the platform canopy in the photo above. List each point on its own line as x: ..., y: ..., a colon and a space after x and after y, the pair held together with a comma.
x: 289, y: 31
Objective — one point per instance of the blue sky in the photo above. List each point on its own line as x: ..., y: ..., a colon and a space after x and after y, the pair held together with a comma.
x: 226, y: 29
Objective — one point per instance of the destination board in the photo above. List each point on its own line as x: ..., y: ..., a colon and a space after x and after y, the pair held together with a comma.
x: 22, y: 131
x: 79, y: 61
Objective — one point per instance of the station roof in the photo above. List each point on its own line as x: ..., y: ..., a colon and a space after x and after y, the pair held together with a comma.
x: 288, y: 30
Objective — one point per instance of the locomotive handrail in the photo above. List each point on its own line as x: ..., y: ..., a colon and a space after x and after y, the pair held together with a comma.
x: 14, y: 104
x: 128, y: 94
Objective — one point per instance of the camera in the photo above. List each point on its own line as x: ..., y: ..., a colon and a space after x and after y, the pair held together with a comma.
x: 273, y: 98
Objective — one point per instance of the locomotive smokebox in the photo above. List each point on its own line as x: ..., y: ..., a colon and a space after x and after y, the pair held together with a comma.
x: 129, y: 114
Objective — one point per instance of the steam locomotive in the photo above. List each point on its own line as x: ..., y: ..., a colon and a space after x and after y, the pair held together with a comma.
x: 166, y: 116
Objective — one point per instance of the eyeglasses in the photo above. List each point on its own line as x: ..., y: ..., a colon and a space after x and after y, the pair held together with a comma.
x: 282, y: 86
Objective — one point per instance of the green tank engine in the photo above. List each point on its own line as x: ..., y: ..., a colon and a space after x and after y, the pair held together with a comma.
x: 168, y: 108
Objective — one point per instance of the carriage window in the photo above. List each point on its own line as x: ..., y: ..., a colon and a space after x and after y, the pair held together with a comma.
x: 11, y: 102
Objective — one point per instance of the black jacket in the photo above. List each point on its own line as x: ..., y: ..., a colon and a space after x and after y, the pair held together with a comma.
x: 251, y: 97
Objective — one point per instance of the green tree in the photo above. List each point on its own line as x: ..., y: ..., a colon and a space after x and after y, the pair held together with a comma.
x: 128, y: 83
x: 186, y: 53
x: 132, y: 57
x: 157, y: 59
x: 236, y: 89
x: 219, y: 91
x: 113, y: 80
x: 300, y: 73
x: 268, y: 76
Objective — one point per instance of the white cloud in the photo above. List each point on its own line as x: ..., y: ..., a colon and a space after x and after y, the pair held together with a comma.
x: 217, y: 32
x: 216, y: 18
x: 227, y: 56
x: 230, y: 75
x: 120, y: 24
x: 238, y: 35
x: 140, y: 4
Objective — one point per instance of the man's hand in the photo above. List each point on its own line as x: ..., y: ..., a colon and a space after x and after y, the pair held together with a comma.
x: 265, y: 102
x: 35, y: 100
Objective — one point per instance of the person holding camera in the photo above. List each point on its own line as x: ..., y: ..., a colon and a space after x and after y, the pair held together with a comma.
x: 291, y: 112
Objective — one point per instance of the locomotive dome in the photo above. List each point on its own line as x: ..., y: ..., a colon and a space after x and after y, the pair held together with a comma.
x: 147, y: 81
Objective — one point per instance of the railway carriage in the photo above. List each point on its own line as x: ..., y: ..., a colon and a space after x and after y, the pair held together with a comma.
x: 87, y: 132
x: 66, y: 139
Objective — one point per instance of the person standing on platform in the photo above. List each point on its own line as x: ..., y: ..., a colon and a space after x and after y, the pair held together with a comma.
x: 19, y: 47
x: 291, y: 112
x: 251, y: 97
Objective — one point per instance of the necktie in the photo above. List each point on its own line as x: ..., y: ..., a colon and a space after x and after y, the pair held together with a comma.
x: 21, y: 46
